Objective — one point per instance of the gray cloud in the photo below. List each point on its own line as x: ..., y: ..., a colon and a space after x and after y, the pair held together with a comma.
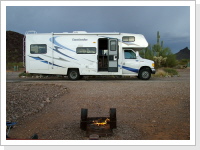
x: 173, y: 22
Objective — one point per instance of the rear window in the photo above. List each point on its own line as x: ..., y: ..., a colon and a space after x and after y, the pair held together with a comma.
x: 38, y: 49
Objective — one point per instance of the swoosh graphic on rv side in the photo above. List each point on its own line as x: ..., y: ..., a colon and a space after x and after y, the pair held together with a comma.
x: 44, y: 61
x: 53, y: 40
x: 130, y: 43
x: 56, y: 50
x: 129, y: 69
x: 61, y: 59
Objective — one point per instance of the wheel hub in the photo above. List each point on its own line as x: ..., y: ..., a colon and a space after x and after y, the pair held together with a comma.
x: 73, y: 75
x: 145, y: 74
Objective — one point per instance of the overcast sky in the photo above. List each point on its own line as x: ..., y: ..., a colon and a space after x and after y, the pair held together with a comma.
x: 173, y: 22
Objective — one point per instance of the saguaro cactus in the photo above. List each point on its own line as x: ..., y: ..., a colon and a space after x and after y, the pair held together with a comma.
x: 162, y: 44
x: 158, y: 38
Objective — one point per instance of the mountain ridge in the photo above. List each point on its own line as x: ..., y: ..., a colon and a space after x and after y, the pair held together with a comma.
x: 183, y: 54
x: 14, y: 47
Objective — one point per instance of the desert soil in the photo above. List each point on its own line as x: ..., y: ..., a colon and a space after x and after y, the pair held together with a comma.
x: 157, y: 109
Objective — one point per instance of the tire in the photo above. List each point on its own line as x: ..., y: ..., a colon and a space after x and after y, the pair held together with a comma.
x: 73, y: 74
x: 113, y: 118
x: 145, y: 74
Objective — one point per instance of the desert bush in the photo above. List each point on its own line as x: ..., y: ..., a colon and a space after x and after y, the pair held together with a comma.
x: 166, y: 72
x: 11, y: 65
x: 160, y: 73
x: 24, y: 74
x: 171, y: 71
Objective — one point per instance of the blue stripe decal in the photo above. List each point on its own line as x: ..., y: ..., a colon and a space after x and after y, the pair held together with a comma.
x: 36, y: 58
x: 56, y: 65
x: 130, y: 69
x: 44, y: 61
x: 53, y: 40
x: 130, y: 43
x: 56, y: 50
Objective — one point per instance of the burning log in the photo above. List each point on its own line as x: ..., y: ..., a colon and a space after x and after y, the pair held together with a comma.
x: 101, y: 122
x: 101, y: 126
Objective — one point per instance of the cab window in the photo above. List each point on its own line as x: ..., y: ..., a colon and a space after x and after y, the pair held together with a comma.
x: 129, y: 54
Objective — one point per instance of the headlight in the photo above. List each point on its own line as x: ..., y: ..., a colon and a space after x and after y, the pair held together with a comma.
x: 153, y: 65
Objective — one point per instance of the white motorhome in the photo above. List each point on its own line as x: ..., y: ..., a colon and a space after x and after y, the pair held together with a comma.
x: 81, y: 53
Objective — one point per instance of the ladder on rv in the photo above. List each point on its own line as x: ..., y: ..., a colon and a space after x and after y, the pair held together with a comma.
x: 24, y: 45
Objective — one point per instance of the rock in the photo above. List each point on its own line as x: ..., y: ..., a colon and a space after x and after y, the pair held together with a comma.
x: 48, y: 101
x: 25, y: 89
x: 35, y: 111
x: 42, y: 105
x: 94, y: 137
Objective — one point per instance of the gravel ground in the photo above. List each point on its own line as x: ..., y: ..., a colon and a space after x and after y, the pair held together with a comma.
x: 157, y: 109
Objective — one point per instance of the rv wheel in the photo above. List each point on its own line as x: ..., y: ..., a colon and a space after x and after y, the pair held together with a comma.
x: 73, y: 74
x: 145, y: 74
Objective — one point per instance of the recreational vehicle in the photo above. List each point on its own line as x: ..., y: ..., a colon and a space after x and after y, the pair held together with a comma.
x: 81, y: 53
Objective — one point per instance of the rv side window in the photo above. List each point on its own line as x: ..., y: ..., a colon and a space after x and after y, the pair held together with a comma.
x: 86, y: 50
x: 38, y: 49
x: 128, y: 39
x: 129, y: 54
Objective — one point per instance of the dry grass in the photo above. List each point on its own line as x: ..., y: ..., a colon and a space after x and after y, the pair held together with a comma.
x: 161, y: 73
x: 166, y: 72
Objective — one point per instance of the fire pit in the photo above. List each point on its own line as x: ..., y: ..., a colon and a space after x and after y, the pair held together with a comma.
x: 101, y: 126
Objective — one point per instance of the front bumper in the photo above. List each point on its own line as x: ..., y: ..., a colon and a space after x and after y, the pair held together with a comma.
x: 153, y: 71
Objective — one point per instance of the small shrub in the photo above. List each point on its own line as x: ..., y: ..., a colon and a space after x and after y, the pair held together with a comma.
x: 160, y: 73
x: 11, y: 65
x: 24, y: 74
x: 165, y: 72
x: 171, y: 71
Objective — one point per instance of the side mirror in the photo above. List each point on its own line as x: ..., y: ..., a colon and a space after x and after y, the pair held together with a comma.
x: 137, y: 54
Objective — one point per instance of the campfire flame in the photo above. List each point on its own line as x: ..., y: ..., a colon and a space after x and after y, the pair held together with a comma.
x: 101, y: 122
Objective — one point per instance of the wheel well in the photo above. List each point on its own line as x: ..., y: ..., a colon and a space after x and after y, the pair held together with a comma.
x: 72, y: 69
x: 145, y: 67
